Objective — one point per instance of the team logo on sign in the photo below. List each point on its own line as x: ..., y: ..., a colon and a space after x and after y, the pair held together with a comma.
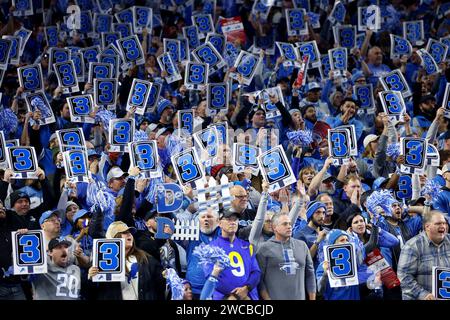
x: 144, y: 155
x: 76, y: 165
x: 395, y: 81
x: 80, y: 108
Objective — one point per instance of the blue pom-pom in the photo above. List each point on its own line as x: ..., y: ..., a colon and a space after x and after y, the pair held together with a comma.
x: 300, y: 137
x: 175, y: 283
x: 210, y: 255
x: 140, y: 136
x: 431, y: 188
x: 393, y: 151
x: 8, y: 121
x: 103, y: 116
x: 175, y: 144
x: 382, y: 199
x: 96, y: 196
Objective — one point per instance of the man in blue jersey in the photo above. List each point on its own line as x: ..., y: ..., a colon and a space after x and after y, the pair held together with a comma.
x: 240, y: 281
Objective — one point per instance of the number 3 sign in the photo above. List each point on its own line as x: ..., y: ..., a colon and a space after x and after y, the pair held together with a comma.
x: 276, y: 169
x: 29, y: 256
x: 342, y: 270
x: 109, y: 258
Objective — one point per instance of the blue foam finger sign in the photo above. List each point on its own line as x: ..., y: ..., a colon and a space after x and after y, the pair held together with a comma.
x: 170, y: 198
x: 108, y: 255
x: 29, y: 253
x: 120, y: 134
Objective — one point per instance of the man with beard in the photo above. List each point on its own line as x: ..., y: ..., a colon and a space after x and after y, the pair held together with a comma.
x: 309, y: 115
x: 420, y: 254
x: 209, y: 231
x: 426, y: 113
x: 313, y: 233
x: 403, y: 230
x: 62, y: 280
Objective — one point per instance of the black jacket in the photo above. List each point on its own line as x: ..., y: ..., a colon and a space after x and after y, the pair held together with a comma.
x: 151, y: 284
x: 343, y: 207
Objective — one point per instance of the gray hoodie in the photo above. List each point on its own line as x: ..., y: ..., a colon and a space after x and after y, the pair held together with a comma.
x: 287, y: 270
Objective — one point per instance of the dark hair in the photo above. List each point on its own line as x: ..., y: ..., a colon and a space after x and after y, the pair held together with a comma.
x: 349, y: 221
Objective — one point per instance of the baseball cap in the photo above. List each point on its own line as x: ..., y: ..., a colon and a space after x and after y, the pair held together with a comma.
x: 47, y: 214
x: 55, y: 242
x: 114, y: 173
x: 313, y: 86
x: 16, y: 195
x: 92, y: 152
x: 117, y: 227
x: 312, y: 207
x: 368, y: 139
x: 79, y: 214
x: 427, y: 97
x: 228, y: 213
x: 327, y: 176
